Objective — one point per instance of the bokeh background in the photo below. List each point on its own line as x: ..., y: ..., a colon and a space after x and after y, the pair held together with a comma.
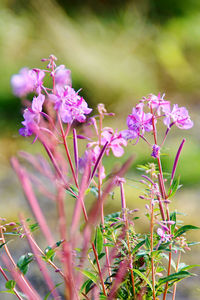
x: 118, y: 51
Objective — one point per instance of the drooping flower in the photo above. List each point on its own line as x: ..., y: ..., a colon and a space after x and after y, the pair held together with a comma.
x: 70, y: 105
x: 138, y: 122
x: 62, y: 76
x: 178, y: 116
x: 32, y: 116
x: 22, y: 83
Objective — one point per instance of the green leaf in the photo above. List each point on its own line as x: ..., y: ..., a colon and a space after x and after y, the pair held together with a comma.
x: 89, y: 274
x: 49, y: 293
x: 138, y: 246
x: 2, y: 245
x: 73, y: 189
x: 147, y: 243
x: 49, y: 253
x: 174, y: 277
x: 174, y: 187
x: 112, y: 217
x: 173, y: 218
x: 7, y: 292
x: 10, y: 284
x: 140, y: 274
x: 34, y: 227
x: 89, y: 281
x: 183, y: 229
x: 99, y: 240
x: 24, y: 261
x: 184, y: 267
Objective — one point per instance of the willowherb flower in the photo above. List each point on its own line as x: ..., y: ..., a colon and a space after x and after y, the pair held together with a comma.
x: 157, y: 103
x: 32, y: 116
x: 138, y: 122
x: 37, y: 76
x: 155, y: 151
x: 62, y: 76
x: 178, y: 116
x: 22, y: 83
x: 70, y: 105
x: 164, y: 236
x: 115, y: 141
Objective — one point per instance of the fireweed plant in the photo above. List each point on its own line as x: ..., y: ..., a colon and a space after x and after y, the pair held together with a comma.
x: 96, y: 256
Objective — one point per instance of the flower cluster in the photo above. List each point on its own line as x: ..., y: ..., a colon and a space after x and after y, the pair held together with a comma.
x: 140, y: 122
x: 67, y: 103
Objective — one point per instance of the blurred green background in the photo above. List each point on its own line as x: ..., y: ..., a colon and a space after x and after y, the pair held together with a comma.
x: 118, y: 51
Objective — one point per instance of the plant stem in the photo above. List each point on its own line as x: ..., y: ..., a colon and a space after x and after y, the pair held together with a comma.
x: 175, y: 284
x: 152, y: 260
x: 99, y: 269
x: 14, y: 289
x: 67, y: 151
x: 123, y: 202
x: 164, y: 196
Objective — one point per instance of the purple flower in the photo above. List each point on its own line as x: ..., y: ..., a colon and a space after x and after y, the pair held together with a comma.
x: 115, y: 141
x: 178, y: 116
x: 138, y: 122
x: 70, y: 105
x: 62, y: 76
x: 155, y: 151
x: 37, y: 76
x: 32, y: 116
x: 164, y: 237
x: 22, y: 83
x: 158, y: 103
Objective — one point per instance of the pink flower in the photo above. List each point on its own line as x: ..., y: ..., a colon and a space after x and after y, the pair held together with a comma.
x: 138, y: 122
x: 178, y: 116
x: 115, y: 141
x: 155, y: 151
x: 165, y: 237
x: 158, y: 103
x: 70, y: 105
x: 32, y: 116
x: 22, y: 83
x: 37, y: 76
x: 62, y: 76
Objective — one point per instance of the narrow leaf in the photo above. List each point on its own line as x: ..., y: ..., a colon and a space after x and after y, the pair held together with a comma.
x: 183, y: 229
x: 174, y: 277
x: 89, y: 275
x: 99, y: 240
x: 140, y: 274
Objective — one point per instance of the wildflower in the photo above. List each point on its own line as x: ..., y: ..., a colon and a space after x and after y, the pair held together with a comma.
x: 22, y: 83
x: 37, y: 76
x: 164, y: 237
x: 70, y: 105
x: 155, y: 151
x: 32, y: 116
x: 115, y: 141
x: 178, y: 116
x: 138, y: 122
x: 158, y: 103
x: 62, y: 76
